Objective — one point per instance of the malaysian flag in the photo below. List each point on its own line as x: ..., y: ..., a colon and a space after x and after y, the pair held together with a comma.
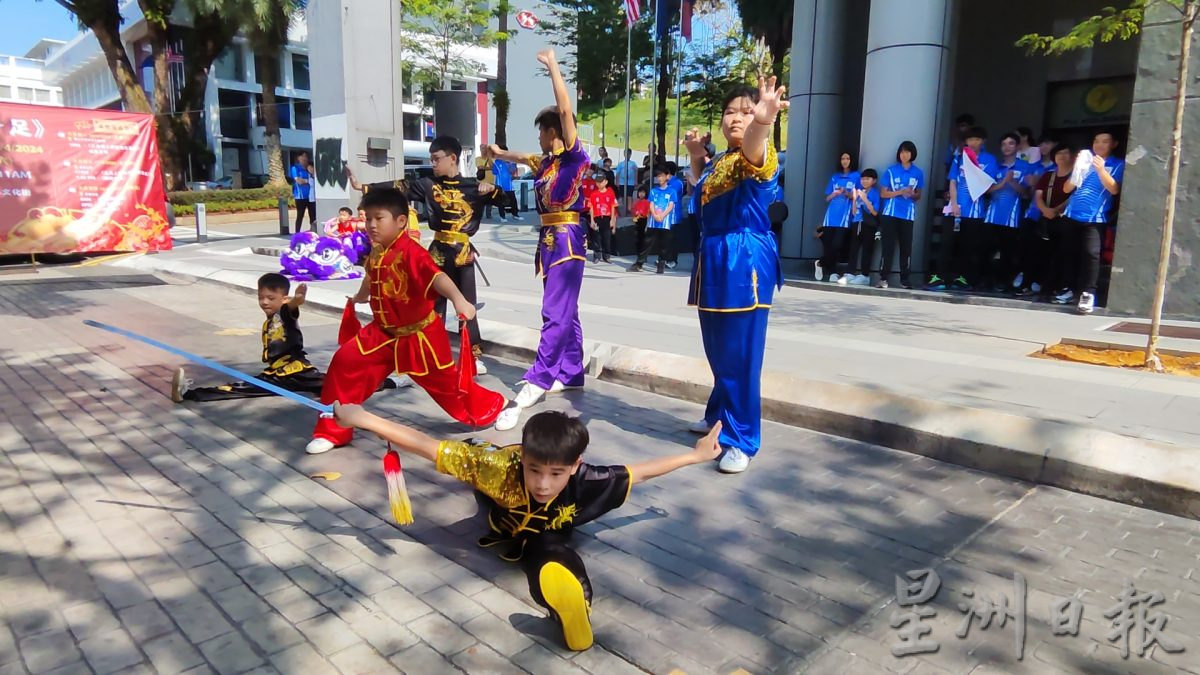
x: 632, y: 12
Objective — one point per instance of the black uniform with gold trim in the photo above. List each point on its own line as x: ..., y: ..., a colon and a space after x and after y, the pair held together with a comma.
x: 526, y: 531
x: 453, y: 207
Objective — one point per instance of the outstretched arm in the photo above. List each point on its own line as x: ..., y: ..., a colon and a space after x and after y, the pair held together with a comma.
x: 697, y: 147
x: 403, y: 438
x: 298, y: 297
x: 562, y: 97
x: 706, y: 450
x: 447, y: 289
x: 509, y: 156
x: 770, y: 101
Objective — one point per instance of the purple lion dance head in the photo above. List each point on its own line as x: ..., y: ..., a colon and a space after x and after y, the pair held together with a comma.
x: 311, y: 257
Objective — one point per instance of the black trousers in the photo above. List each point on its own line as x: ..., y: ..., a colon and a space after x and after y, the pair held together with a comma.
x: 464, y: 278
x: 602, y: 236
x: 893, y: 231
x: 832, y: 239
x: 967, y: 252
x: 507, y: 202
x: 1063, y: 261
x: 1091, y: 240
x: 1001, y: 241
x: 657, y: 241
x: 303, y: 205
x: 864, y: 245
x: 306, y: 382
x: 541, y: 551
x: 1034, y: 255
x: 639, y: 231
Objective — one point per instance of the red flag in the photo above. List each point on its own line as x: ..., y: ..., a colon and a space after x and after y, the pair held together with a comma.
x: 685, y: 20
x: 632, y: 12
x: 350, y: 323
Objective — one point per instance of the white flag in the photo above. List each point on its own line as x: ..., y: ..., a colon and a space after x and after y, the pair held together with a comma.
x: 978, y: 181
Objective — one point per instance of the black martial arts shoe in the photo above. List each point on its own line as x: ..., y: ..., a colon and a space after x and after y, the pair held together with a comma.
x: 569, y: 607
x: 634, y: 268
x: 662, y: 266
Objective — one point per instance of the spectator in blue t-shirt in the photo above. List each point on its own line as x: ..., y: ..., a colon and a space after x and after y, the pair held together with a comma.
x: 680, y: 190
x: 839, y: 195
x: 1034, y: 250
x: 1003, y: 215
x: 968, y: 215
x: 664, y: 214
x: 901, y: 190
x: 1088, y: 210
x: 302, y: 191
x: 864, y: 224
x: 504, y: 171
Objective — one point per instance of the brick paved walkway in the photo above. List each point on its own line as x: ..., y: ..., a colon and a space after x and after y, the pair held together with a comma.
x: 140, y: 535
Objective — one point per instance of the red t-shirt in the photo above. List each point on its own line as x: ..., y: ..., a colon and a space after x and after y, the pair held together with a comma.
x: 589, y: 186
x: 602, y: 202
x: 641, y: 208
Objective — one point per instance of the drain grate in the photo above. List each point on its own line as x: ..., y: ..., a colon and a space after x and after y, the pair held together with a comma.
x: 1135, y: 328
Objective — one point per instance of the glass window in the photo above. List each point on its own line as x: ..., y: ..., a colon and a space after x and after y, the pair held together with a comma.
x: 258, y: 71
x: 41, y: 95
x: 235, y: 114
x: 303, y: 115
x: 5, y: 91
x: 25, y: 93
x: 282, y: 108
x: 231, y: 64
x: 458, y: 85
x: 300, y: 72
x: 412, y: 127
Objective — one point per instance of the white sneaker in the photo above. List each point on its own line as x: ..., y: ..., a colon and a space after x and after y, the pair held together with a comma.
x: 480, y: 368
x: 700, y: 427
x: 818, y: 273
x: 503, y: 219
x: 529, y: 395
x: 402, y: 381
x: 1019, y: 281
x: 734, y: 461
x: 1064, y: 296
x: 1087, y: 303
x: 559, y: 387
x: 180, y: 385
x: 861, y: 280
x: 518, y: 219
x: 833, y: 278
x: 318, y: 446
x: 843, y: 280
x: 508, y: 418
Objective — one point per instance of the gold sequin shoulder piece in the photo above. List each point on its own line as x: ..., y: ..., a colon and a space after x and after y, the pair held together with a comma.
x: 732, y: 168
x: 491, y: 469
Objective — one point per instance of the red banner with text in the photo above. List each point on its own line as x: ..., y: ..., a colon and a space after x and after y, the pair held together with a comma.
x: 74, y: 180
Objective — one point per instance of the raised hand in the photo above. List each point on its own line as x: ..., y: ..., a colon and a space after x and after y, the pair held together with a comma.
x: 546, y: 57
x: 696, y: 143
x: 709, y: 447
x: 770, y: 101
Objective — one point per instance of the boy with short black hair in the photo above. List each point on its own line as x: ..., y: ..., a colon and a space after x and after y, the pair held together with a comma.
x: 537, y: 492
x: 641, y: 215
x: 406, y: 335
x: 602, y: 204
x: 664, y: 213
x: 864, y: 224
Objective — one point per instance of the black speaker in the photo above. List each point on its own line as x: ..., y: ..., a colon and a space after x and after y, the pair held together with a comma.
x: 454, y: 115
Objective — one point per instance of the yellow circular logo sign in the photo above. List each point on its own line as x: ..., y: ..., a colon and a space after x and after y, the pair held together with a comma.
x: 1100, y: 99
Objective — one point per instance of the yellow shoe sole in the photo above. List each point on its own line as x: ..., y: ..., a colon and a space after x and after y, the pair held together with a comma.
x: 564, y: 594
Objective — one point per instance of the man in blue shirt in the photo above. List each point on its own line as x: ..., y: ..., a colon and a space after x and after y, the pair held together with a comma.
x: 302, y: 191
x: 626, y: 175
x: 1003, y: 215
x: 504, y: 171
x: 968, y: 213
x: 1088, y: 211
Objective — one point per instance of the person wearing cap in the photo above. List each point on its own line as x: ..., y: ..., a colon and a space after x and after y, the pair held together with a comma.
x: 602, y: 204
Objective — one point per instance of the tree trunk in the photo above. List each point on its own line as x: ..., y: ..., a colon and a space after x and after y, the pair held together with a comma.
x: 1191, y: 7
x: 664, y: 90
x: 210, y: 36
x: 502, y: 82
x: 169, y: 150
x: 108, y: 34
x: 270, y: 119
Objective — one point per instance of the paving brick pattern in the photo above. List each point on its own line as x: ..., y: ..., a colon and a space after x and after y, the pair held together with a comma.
x: 140, y: 536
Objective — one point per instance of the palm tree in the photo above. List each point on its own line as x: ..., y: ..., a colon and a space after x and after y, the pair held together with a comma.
x: 267, y: 24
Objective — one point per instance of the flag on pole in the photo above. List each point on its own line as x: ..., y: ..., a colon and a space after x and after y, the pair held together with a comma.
x: 978, y: 181
x: 685, y: 20
x: 632, y: 12
x: 664, y: 10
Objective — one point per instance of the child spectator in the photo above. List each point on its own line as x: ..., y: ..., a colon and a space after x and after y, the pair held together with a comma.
x: 1026, y: 150
x: 839, y: 195
x: 1088, y: 210
x: 343, y: 225
x: 663, y: 215
x: 588, y: 186
x: 602, y: 203
x: 968, y: 215
x: 680, y: 190
x: 901, y: 190
x: 1003, y: 213
x: 864, y: 219
x: 641, y: 214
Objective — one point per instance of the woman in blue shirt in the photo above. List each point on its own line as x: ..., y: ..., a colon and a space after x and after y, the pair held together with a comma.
x: 839, y: 195
x: 1003, y: 213
x: 901, y: 190
x: 302, y: 191
x: 737, y: 264
x: 1088, y: 210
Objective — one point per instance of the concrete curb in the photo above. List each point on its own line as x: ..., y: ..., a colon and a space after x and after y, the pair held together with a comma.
x: 1134, y: 471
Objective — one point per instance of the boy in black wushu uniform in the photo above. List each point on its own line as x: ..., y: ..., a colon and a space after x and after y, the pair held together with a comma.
x: 538, y: 491
x: 283, y: 353
x: 454, y: 205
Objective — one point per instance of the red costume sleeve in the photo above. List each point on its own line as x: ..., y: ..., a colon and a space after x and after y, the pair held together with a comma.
x: 421, y: 270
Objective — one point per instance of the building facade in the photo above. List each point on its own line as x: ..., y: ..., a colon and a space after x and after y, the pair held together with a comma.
x: 868, y: 74
x: 23, y: 78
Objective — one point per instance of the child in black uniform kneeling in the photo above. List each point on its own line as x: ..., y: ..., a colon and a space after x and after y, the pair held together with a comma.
x: 537, y: 492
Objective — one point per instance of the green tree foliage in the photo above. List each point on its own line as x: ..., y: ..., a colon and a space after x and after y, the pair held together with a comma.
x: 266, y: 24
x: 591, y: 37
x: 1110, y: 24
x: 437, y: 35
x: 771, y: 22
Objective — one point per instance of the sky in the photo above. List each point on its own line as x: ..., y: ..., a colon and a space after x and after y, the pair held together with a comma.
x: 24, y: 22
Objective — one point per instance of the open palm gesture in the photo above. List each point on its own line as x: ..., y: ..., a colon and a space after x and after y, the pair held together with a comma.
x: 770, y: 101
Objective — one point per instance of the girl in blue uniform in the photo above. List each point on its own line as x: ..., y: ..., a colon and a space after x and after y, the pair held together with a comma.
x: 839, y: 195
x: 737, y: 264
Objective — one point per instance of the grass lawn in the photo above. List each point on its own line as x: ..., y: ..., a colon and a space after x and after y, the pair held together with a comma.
x: 639, y: 124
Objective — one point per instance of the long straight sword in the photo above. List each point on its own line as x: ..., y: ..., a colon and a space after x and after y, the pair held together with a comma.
x: 220, y: 368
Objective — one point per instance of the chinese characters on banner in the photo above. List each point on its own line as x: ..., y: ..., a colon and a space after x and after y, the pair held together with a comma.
x: 1134, y: 627
x: 76, y: 180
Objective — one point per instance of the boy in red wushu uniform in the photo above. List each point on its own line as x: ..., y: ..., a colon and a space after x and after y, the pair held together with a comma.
x: 406, y: 335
